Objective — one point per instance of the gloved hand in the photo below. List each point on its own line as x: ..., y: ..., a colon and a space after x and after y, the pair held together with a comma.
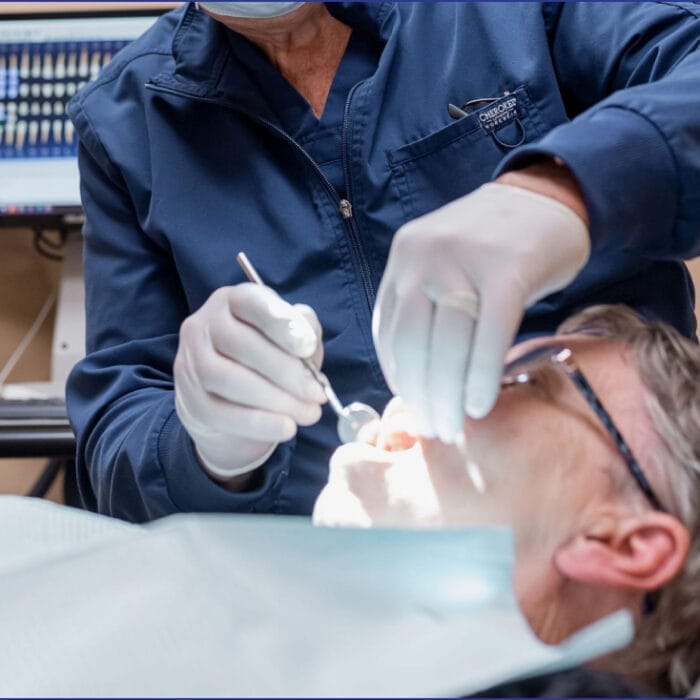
x: 240, y: 387
x: 454, y: 291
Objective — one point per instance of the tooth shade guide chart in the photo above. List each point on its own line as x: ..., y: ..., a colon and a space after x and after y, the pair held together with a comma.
x: 48, y: 52
x: 53, y: 72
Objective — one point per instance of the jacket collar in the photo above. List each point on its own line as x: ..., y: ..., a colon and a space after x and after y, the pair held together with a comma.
x: 204, y: 65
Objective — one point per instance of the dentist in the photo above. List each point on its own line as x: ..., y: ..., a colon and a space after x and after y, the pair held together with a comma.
x: 526, y: 178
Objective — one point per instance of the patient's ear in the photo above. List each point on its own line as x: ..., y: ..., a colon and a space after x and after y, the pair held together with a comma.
x: 640, y: 552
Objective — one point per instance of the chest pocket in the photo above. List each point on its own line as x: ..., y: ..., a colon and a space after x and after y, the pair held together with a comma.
x: 460, y: 157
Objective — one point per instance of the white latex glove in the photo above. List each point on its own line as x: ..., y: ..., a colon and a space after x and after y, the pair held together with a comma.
x: 454, y: 291
x: 240, y: 386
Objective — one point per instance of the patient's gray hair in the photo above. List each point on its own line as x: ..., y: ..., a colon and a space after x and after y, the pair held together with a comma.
x: 666, y: 651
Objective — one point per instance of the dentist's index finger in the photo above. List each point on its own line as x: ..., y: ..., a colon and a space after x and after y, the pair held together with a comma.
x: 278, y: 320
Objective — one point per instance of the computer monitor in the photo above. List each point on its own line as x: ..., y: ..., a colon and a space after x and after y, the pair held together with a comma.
x: 44, y: 59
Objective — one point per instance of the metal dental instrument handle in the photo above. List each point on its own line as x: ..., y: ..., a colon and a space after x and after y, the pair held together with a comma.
x: 252, y: 274
x: 352, y: 418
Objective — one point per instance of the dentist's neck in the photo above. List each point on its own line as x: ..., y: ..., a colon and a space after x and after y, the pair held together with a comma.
x: 306, y: 46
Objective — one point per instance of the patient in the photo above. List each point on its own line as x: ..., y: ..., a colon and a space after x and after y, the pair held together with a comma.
x: 602, y: 519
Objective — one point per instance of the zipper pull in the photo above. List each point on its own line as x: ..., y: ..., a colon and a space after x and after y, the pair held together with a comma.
x: 345, y: 209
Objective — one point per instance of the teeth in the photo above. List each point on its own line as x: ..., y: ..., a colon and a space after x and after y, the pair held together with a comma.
x: 3, y: 76
x: 71, y: 69
x: 83, y: 64
x: 21, y: 133
x: 24, y: 65
x: 61, y: 66
x: 47, y: 73
x: 36, y: 66
x: 107, y: 58
x: 68, y: 132
x: 95, y: 65
x: 9, y: 134
x: 32, y: 93
x: 33, y: 132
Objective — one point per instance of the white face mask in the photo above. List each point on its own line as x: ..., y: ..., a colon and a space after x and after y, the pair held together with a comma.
x: 252, y: 10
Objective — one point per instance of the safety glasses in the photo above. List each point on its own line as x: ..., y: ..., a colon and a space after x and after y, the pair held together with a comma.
x: 524, y: 370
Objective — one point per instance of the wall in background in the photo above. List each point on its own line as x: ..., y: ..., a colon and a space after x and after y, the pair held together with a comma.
x: 26, y: 281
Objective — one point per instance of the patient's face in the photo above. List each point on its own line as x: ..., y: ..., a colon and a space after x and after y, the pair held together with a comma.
x: 545, y: 459
x: 550, y: 471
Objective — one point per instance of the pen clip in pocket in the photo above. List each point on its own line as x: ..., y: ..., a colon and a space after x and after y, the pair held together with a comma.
x: 494, y: 114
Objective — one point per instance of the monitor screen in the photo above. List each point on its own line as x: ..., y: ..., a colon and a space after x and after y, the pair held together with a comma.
x: 44, y: 61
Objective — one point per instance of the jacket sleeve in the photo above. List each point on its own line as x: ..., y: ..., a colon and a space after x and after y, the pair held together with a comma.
x: 134, y: 458
x: 630, y: 77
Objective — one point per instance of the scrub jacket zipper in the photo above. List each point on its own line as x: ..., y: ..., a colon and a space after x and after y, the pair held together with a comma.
x: 344, y: 206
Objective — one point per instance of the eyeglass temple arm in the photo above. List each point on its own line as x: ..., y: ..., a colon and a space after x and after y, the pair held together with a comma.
x: 635, y: 470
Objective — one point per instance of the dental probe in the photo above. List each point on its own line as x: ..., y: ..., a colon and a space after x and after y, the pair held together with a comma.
x: 351, y: 418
